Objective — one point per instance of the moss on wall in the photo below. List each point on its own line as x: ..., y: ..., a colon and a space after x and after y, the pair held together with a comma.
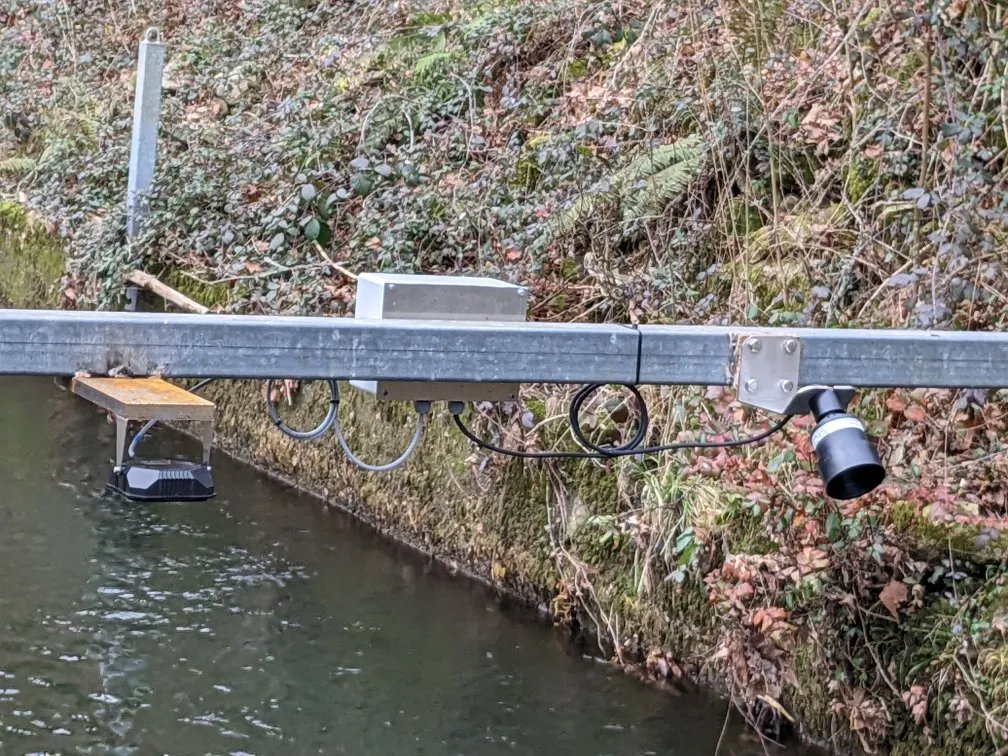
x: 31, y: 259
x: 435, y: 502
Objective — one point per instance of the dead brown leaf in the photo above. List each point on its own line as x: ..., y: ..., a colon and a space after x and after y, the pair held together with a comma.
x: 916, y: 700
x: 896, y: 403
x: 893, y: 596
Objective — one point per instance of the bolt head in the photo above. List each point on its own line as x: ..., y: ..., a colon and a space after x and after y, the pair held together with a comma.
x: 754, y: 345
x: 751, y: 385
x: 790, y: 346
x: 787, y: 386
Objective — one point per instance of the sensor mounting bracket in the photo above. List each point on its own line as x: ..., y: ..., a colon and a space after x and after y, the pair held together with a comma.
x: 769, y: 369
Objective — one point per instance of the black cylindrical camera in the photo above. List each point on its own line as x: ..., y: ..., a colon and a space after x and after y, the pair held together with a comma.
x: 848, y: 462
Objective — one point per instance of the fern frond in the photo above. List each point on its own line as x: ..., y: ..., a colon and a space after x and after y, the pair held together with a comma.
x: 657, y: 160
x: 440, y: 42
x: 406, y: 44
x: 582, y: 208
x: 417, y: 42
x: 18, y: 165
x: 663, y: 187
x: 428, y: 62
x: 641, y: 189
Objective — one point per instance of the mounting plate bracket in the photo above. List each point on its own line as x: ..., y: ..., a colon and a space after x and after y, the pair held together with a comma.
x: 769, y: 373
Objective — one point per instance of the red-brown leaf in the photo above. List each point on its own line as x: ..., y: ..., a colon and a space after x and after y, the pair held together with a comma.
x: 893, y: 596
x: 896, y: 404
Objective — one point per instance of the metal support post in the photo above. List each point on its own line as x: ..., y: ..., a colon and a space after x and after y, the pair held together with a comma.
x: 122, y: 424
x: 146, y: 118
x: 132, y: 299
x: 206, y: 437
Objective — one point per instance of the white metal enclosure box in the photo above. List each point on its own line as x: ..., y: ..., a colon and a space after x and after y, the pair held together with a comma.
x: 391, y: 296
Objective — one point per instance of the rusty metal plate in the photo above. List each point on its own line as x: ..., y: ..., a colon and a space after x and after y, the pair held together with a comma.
x: 143, y: 399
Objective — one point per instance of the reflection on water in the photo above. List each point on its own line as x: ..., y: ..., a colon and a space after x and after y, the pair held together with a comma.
x: 257, y: 624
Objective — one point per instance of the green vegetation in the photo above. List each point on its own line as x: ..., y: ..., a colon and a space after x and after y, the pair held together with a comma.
x: 770, y: 162
x: 31, y: 259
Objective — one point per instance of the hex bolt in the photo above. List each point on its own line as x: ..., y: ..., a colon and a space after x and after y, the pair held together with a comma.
x: 790, y: 346
x: 754, y: 345
x: 787, y: 386
x: 751, y: 385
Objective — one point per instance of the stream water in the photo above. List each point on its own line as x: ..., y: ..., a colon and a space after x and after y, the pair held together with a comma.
x: 257, y: 624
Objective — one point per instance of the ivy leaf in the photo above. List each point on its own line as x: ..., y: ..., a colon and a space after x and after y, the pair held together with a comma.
x: 324, y: 206
x: 901, y: 280
x: 360, y: 164
x: 312, y: 229
x: 833, y: 526
x: 361, y: 184
x: 276, y: 242
x: 384, y: 170
x: 684, y: 540
x: 410, y: 175
x: 308, y: 192
x: 677, y: 576
x: 687, y: 556
x: 774, y: 464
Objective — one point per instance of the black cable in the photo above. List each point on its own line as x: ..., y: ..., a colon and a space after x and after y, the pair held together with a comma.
x: 521, y: 454
x: 574, y: 418
x: 632, y: 448
x: 744, y: 441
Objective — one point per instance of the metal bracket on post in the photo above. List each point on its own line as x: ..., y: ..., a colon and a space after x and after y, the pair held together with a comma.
x: 132, y: 299
x: 146, y: 118
x: 769, y: 372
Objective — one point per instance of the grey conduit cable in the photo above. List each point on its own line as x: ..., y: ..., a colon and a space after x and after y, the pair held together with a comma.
x: 322, y: 427
x: 422, y: 408
x: 331, y: 420
x: 142, y: 433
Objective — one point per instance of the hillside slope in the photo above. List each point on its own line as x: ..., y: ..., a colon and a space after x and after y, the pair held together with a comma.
x: 760, y: 161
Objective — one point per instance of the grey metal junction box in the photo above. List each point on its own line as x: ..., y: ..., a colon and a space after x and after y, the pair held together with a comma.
x: 391, y: 296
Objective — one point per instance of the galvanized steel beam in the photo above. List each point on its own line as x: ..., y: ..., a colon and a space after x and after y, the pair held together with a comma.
x: 41, y: 342
x: 235, y: 346
x: 832, y: 356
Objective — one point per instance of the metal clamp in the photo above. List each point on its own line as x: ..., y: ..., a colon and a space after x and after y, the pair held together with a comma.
x: 769, y: 375
x: 799, y: 404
